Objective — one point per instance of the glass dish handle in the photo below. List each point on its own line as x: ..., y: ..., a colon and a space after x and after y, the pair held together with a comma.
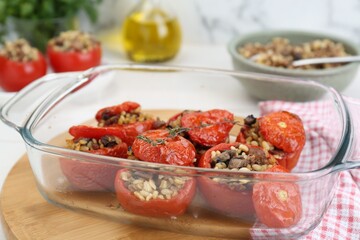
x: 19, y: 108
x: 353, y: 159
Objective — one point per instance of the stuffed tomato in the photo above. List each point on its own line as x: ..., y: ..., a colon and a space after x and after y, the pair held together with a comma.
x: 281, y: 133
x: 231, y: 194
x: 164, y: 146
x: 205, y: 129
x: 20, y: 64
x: 277, y: 204
x: 125, y: 120
x: 91, y: 176
x: 155, y: 195
x: 161, y: 193
x: 73, y: 51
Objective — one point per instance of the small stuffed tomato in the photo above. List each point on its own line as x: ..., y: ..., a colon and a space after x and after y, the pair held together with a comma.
x: 281, y: 133
x: 73, y: 51
x: 277, y: 204
x: 91, y: 176
x: 154, y: 195
x: 20, y: 64
x: 231, y: 194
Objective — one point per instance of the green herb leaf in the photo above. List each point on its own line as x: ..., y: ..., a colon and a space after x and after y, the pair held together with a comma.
x: 177, y: 130
x: 154, y: 143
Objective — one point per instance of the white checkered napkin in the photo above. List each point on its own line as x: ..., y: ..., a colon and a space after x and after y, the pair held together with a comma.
x: 342, y: 218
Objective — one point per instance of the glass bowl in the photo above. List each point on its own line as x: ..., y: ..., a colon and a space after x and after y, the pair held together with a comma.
x: 44, y: 111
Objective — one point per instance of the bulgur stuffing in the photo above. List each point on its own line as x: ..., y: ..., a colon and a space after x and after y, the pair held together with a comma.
x: 280, y: 52
x: 123, y: 118
x: 19, y: 51
x: 88, y: 144
x: 147, y: 186
x: 74, y: 41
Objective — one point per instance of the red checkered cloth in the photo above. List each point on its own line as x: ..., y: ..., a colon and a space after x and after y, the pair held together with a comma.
x: 342, y: 218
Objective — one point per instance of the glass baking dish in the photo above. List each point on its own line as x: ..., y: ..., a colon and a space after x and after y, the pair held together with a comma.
x: 44, y: 111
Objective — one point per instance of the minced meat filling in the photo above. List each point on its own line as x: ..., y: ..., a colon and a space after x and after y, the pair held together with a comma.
x: 241, y: 158
x: 254, y: 138
x: 88, y: 144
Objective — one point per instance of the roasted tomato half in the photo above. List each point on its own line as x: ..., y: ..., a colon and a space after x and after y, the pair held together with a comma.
x: 128, y: 116
x: 115, y: 115
x: 164, y: 146
x: 91, y: 176
x: 232, y: 194
x: 125, y: 120
x: 73, y: 51
x: 155, y: 195
x: 20, y: 64
x: 277, y: 204
x: 208, y: 128
x: 281, y: 133
x: 127, y: 133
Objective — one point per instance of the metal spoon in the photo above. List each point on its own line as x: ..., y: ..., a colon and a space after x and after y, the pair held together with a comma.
x: 326, y: 60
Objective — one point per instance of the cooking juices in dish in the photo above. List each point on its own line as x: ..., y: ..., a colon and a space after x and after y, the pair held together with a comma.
x: 270, y: 143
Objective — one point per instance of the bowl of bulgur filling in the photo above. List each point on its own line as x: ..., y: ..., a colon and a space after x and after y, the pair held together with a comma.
x: 273, y: 52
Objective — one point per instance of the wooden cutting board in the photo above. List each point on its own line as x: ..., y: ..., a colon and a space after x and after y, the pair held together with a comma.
x: 27, y: 215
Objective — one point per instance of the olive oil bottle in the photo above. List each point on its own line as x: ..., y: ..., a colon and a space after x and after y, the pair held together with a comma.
x: 151, y: 33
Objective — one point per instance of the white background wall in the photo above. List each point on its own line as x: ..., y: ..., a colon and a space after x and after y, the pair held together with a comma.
x: 216, y: 21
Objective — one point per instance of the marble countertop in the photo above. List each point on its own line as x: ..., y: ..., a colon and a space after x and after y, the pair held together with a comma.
x: 215, y: 56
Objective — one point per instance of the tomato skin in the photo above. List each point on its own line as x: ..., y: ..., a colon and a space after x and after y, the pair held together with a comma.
x: 119, y: 150
x: 88, y: 176
x: 277, y: 204
x: 285, y: 131
x: 225, y: 200
x: 117, y: 109
x: 219, y: 196
x: 278, y: 168
x: 16, y: 75
x: 174, y: 150
x: 155, y: 207
x: 127, y: 133
x: 208, y: 128
x: 73, y: 61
